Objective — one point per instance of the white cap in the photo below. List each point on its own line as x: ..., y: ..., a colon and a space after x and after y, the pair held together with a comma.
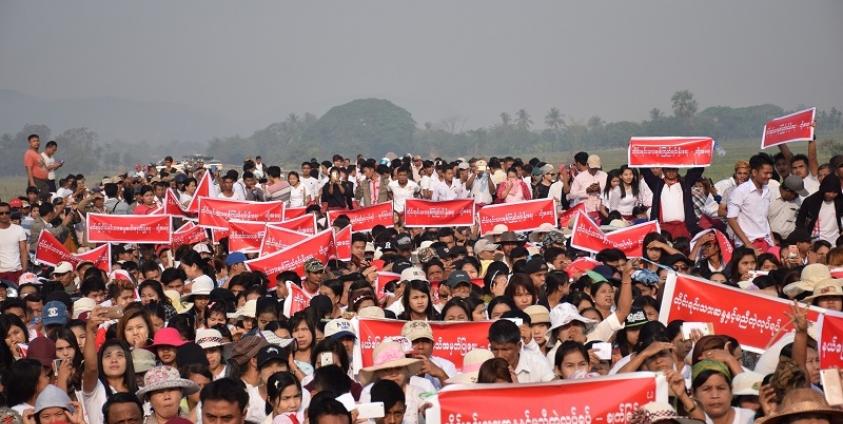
x: 201, y: 248
x: 63, y: 268
x: 413, y: 273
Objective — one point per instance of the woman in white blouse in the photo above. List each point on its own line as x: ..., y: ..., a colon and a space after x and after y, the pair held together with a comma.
x: 298, y: 192
x: 624, y: 195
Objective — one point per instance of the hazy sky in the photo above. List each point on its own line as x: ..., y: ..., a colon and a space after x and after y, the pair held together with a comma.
x: 254, y: 62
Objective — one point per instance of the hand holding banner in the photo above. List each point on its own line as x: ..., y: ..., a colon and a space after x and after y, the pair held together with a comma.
x: 449, y: 213
x: 519, y: 216
x: 797, y: 126
x: 670, y: 152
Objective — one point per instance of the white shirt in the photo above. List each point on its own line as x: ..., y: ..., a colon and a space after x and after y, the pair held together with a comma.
x: 10, y: 239
x: 827, y: 228
x: 51, y: 173
x: 298, y: 195
x: 312, y: 186
x: 401, y: 194
x: 782, y: 216
x: 812, y: 184
x: 256, y: 411
x: 533, y: 368
x: 672, y: 203
x: 555, y: 192
x: 725, y: 184
x: 235, y: 195
x: 480, y: 189
x: 581, y: 182
x: 624, y: 205
x: 750, y: 205
x: 443, y: 191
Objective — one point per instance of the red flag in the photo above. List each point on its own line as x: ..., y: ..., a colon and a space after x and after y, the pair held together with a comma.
x: 610, y: 399
x: 216, y: 213
x: 172, y: 206
x: 155, y: 229
x: 671, y: 152
x: 383, y: 279
x: 50, y: 251
x: 203, y: 189
x: 245, y: 236
x: 830, y: 329
x: 297, y: 300
x: 189, y: 233
x: 277, y: 238
x: 292, y: 213
x: 580, y: 266
x: 364, y: 219
x: 341, y: 244
x: 303, y: 224
x: 587, y: 236
x: 797, y: 126
x: 218, y: 234
x: 519, y: 216
x: 758, y: 319
x: 449, y: 213
x: 569, y: 214
x: 293, y: 257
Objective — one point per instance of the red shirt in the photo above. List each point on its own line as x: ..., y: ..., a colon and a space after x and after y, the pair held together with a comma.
x: 33, y: 161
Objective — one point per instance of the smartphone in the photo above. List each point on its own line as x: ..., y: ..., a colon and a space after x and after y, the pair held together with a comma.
x: 326, y: 358
x: 113, y: 312
x: 832, y: 386
x: 603, y: 351
x: 370, y: 410
x: 56, y: 366
x: 706, y: 328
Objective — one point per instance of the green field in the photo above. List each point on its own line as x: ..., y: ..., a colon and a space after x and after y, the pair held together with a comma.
x: 612, y: 158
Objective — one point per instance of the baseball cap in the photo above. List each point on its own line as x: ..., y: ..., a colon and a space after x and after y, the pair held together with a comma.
x: 484, y: 245
x: 314, y: 265
x: 269, y: 353
x: 63, y: 268
x: 339, y: 328
x: 481, y: 165
x: 796, y: 184
x: 55, y: 313
x: 42, y: 350
x: 15, y: 203
x: 538, y: 314
x: 463, y: 165
x: 594, y: 162
x: 636, y: 318
x: 458, y: 277
x: 234, y: 258
x: 201, y: 248
x: 415, y: 330
x: 404, y: 242
x: 413, y: 273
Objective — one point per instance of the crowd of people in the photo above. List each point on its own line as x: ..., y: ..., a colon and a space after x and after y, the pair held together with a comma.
x: 190, y: 334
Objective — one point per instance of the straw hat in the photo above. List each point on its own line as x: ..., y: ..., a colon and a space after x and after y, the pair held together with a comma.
x: 802, y: 401
x: 812, y: 275
x: 538, y: 314
x: 471, y: 364
x: 201, y: 286
x: 371, y: 312
x: 825, y: 288
x: 565, y: 313
x: 655, y: 412
x: 165, y: 377
x: 747, y: 383
x: 209, y: 338
x: 389, y: 355
x: 248, y: 310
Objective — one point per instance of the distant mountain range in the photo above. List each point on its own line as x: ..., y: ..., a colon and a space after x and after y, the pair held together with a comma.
x: 113, y: 118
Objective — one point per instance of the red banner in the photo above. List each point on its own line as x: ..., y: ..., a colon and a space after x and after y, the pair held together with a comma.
x: 449, y: 213
x: 277, y: 238
x: 341, y: 244
x: 104, y: 228
x: 587, y: 236
x: 798, y: 126
x: 218, y: 234
x: 189, y: 233
x: 172, y: 205
x: 756, y: 320
x: 830, y: 329
x: 292, y: 213
x: 670, y: 152
x: 580, y: 266
x: 297, y: 300
x: 364, y: 219
x: 594, y: 400
x: 245, y: 236
x: 520, y: 216
x: 50, y: 251
x: 293, y: 257
x: 452, y: 339
x: 383, y: 279
x: 100, y: 257
x: 203, y: 189
x: 216, y: 213
x: 303, y: 224
x: 568, y: 215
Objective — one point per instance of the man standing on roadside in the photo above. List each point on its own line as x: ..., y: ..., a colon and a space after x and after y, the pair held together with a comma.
x: 51, y: 163
x: 14, y: 259
x: 36, y: 171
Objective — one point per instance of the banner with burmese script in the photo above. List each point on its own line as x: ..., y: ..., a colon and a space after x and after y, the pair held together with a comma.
x: 103, y: 228
x: 451, y: 340
x: 797, y: 126
x: 364, y: 219
x: 216, y: 213
x: 755, y: 319
x: 830, y: 329
x: 293, y: 257
x: 587, y: 236
x: 245, y: 236
x: 277, y: 238
x: 519, y: 216
x: 608, y: 400
x: 420, y: 213
x: 50, y: 251
x: 670, y: 152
